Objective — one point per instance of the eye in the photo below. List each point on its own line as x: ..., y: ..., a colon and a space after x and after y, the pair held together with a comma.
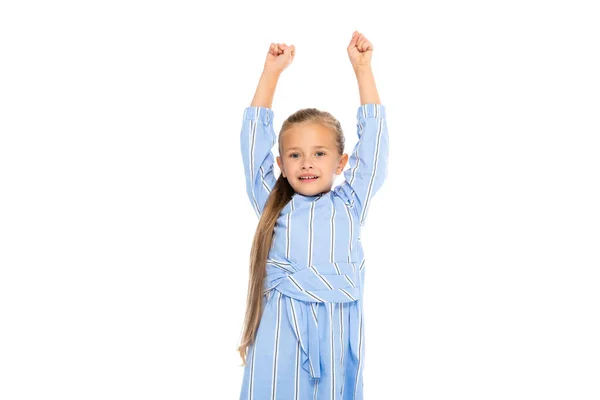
x: 321, y: 152
x: 293, y: 154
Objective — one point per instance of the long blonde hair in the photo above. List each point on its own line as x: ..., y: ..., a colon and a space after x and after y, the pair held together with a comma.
x: 280, y: 195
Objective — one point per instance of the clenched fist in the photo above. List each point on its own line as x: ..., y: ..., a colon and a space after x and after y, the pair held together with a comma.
x: 279, y: 57
x: 360, y: 50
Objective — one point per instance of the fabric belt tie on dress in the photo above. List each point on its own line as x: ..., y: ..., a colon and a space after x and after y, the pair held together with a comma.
x: 329, y: 282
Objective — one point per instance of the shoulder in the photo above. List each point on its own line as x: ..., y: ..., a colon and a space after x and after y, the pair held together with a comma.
x: 344, y: 192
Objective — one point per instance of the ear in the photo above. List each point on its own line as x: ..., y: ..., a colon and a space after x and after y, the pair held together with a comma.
x: 342, y: 163
x: 279, y: 163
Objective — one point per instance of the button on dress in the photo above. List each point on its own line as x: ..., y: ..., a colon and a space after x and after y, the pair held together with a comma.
x: 310, y: 343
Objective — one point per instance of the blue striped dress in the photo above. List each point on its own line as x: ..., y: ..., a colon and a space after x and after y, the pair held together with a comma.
x: 310, y: 343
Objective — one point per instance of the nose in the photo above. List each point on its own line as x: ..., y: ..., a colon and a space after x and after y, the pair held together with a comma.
x: 306, y: 164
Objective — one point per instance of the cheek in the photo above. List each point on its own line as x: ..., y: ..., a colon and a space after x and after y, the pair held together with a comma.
x: 291, y: 166
x: 333, y: 165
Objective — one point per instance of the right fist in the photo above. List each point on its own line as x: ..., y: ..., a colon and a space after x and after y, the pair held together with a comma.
x: 279, y: 57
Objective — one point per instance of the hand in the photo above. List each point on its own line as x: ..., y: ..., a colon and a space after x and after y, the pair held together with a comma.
x: 360, y: 51
x: 279, y: 57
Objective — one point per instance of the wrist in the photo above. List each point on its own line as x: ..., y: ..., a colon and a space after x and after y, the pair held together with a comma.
x: 270, y: 74
x: 362, y: 69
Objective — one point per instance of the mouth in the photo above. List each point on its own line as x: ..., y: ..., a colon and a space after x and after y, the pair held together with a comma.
x: 308, y: 178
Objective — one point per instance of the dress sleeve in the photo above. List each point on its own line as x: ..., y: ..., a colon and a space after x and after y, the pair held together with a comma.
x: 368, y: 163
x: 256, y: 140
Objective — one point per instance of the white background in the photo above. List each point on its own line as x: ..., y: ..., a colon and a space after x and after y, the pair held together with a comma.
x: 125, y: 228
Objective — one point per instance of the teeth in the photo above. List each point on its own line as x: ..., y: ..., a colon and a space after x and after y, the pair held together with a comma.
x: 307, y: 177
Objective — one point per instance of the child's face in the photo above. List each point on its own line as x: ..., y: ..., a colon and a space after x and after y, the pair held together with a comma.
x: 310, y: 149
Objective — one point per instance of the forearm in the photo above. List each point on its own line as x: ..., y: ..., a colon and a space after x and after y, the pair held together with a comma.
x: 366, y: 85
x: 265, y: 90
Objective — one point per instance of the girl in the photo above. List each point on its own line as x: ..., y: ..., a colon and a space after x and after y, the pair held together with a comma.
x: 304, y: 330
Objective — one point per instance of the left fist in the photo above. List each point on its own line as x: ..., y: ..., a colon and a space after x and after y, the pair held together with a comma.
x: 360, y: 50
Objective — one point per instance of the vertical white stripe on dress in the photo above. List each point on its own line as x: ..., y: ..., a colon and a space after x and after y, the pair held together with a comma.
x: 351, y: 235
x: 342, y: 347
x: 251, y: 388
x: 373, y: 173
x: 360, y: 352
x: 252, y: 144
x: 311, y: 233
x: 332, y: 230
x: 332, y: 347
x: 297, y: 372
x: 332, y: 259
x: 355, y: 155
x: 288, y: 232
x: 276, y: 350
x: 310, y: 250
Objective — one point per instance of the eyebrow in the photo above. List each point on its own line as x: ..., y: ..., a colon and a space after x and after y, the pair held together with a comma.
x: 314, y: 147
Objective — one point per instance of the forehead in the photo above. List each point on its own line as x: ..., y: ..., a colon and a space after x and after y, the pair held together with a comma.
x: 306, y: 136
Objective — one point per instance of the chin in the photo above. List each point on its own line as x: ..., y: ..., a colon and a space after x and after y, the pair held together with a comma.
x: 311, y: 189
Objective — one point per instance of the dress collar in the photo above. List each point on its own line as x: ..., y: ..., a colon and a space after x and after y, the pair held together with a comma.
x: 300, y: 197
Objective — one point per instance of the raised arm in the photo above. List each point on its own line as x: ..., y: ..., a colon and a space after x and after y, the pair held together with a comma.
x: 263, y: 97
x: 360, y: 52
x: 258, y: 137
x: 368, y: 163
x: 279, y: 57
x: 366, y: 85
